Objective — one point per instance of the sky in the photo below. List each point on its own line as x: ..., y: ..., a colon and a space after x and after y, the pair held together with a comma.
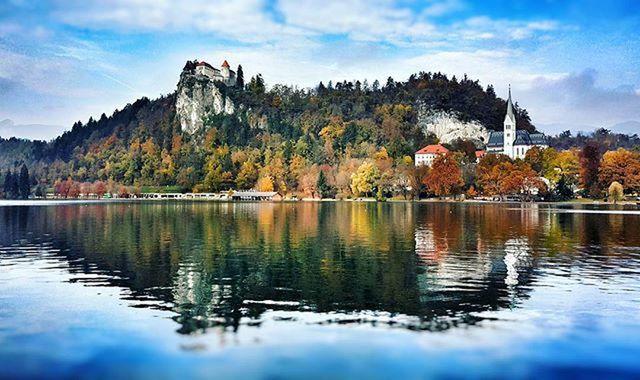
x: 571, y: 64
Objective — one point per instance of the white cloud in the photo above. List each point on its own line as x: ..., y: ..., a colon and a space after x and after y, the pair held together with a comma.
x: 506, y: 30
x: 577, y: 99
x: 361, y: 20
x: 245, y: 21
x: 440, y: 8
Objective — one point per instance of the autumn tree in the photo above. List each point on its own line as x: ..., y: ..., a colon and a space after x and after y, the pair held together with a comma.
x: 265, y: 184
x: 100, y: 188
x: 489, y: 173
x: 563, y: 164
x: 621, y: 166
x: 445, y: 177
x: 218, y: 169
x: 421, y: 178
x: 247, y: 176
x: 616, y: 192
x: 590, y: 158
x: 404, y: 180
x: 74, y: 188
x: 535, y: 159
x: 519, y: 178
x: 365, y: 179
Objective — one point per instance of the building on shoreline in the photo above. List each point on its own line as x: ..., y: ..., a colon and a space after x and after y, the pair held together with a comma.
x: 426, y: 155
x: 512, y: 142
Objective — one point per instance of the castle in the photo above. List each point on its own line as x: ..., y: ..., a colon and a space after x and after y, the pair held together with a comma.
x: 511, y: 142
x: 224, y: 74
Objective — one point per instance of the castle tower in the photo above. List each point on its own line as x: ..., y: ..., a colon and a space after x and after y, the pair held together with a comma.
x: 225, y: 70
x: 509, y: 135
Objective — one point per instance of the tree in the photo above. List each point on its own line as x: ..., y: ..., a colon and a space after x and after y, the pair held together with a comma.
x: 256, y: 85
x: 404, y: 180
x: 535, y: 158
x: 322, y: 186
x: 10, y: 185
x: 565, y: 164
x: 616, y: 192
x: 365, y: 179
x: 490, y: 173
x: 265, y: 184
x: 622, y: 166
x: 74, y: 189
x: 240, y: 77
x: 218, y: 169
x: 563, y: 190
x: 100, y: 188
x: 24, y: 183
x: 445, y: 177
x: 590, y: 158
x: 466, y: 147
x: 519, y: 178
x: 247, y: 176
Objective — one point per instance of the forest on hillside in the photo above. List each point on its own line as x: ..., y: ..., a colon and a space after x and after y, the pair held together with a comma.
x: 333, y: 128
x: 142, y: 144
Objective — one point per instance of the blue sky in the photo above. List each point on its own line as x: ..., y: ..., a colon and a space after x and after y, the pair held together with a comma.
x: 571, y: 63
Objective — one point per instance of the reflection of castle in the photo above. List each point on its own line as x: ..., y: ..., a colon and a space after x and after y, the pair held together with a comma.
x: 226, y: 265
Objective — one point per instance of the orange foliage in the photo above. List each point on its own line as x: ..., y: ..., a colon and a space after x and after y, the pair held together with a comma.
x: 445, y: 177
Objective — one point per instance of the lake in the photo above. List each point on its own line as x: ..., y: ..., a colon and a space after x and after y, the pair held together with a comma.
x: 316, y: 290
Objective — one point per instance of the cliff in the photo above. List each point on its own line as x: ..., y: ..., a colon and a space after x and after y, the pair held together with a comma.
x: 198, y: 96
x: 448, y: 126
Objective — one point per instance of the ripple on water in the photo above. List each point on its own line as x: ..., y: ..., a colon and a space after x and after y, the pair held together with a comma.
x: 251, y: 272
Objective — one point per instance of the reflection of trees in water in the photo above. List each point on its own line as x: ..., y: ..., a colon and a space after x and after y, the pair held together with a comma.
x: 217, y: 263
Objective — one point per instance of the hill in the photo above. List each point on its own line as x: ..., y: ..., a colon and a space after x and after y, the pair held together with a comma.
x: 210, y: 136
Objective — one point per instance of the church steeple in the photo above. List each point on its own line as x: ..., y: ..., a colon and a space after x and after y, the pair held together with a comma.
x: 510, y: 114
x: 509, y: 135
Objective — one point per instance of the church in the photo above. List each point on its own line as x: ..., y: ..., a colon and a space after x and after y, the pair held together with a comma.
x: 512, y: 142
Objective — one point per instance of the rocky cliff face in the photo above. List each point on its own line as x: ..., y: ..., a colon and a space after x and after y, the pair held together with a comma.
x: 197, y: 96
x: 448, y: 127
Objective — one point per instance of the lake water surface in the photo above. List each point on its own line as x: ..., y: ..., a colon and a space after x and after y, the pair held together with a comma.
x: 349, y: 290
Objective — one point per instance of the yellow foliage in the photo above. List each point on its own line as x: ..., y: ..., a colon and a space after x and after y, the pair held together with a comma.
x: 265, y: 184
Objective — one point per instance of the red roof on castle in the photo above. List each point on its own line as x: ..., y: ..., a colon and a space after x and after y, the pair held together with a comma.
x: 203, y: 63
x: 225, y: 64
x: 433, y: 149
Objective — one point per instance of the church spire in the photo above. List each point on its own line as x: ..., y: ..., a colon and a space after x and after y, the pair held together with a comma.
x: 510, y: 107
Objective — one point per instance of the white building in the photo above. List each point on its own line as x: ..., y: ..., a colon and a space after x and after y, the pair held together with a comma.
x: 224, y: 74
x: 426, y: 155
x: 512, y: 142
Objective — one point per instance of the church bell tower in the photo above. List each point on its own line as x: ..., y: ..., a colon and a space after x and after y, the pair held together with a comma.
x: 509, y: 128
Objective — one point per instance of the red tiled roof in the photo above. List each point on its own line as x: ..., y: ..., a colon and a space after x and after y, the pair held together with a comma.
x: 203, y: 63
x: 225, y: 64
x: 480, y: 153
x: 433, y: 149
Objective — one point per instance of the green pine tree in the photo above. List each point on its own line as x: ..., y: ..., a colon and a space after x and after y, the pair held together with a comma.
x: 24, y: 183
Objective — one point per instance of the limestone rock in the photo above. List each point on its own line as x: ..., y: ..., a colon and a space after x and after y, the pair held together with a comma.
x: 448, y: 127
x: 198, y: 96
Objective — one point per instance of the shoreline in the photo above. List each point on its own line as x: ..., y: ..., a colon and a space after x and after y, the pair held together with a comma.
x: 47, y: 202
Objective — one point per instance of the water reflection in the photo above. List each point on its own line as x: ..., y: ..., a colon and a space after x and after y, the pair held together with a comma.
x: 223, y: 265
